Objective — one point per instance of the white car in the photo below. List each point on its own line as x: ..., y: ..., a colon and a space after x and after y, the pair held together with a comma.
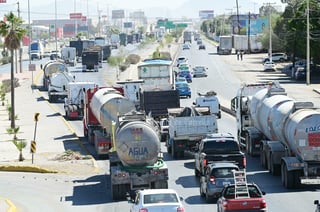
x: 276, y: 57
x: 151, y: 200
x: 269, y: 66
x: 186, y: 46
x: 200, y: 71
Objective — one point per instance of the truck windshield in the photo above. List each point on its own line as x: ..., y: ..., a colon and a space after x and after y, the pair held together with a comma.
x: 221, y: 146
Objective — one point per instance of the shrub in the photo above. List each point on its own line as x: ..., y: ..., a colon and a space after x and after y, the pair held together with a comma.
x: 132, y: 59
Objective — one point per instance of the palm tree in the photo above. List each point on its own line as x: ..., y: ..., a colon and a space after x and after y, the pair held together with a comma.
x: 11, y: 30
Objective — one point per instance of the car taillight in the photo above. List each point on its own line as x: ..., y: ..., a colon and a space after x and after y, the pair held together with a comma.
x: 204, y: 162
x: 244, y: 161
x: 225, y: 204
x: 263, y: 204
x: 212, y: 180
x: 143, y: 210
x: 180, y: 209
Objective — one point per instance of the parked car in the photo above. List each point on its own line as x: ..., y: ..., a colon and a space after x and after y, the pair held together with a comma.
x: 181, y: 59
x: 156, y: 200
x: 228, y: 201
x: 186, y: 74
x: 200, y: 71
x: 269, y: 66
x: 164, y: 128
x: 202, y: 46
x: 186, y: 46
x: 184, y: 89
x: 276, y: 57
x: 216, y: 176
x: 181, y: 79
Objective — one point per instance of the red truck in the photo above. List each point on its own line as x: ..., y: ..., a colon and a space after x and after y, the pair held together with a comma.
x: 249, y: 199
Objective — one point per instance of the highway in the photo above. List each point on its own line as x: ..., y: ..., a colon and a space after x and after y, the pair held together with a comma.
x: 92, y: 193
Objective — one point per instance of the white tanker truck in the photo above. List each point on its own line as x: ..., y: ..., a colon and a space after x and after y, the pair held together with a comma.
x: 130, y: 139
x: 284, y: 132
x: 56, y: 79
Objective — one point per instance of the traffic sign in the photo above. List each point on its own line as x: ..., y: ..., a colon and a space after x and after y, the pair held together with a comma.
x: 33, y: 147
x: 32, y: 67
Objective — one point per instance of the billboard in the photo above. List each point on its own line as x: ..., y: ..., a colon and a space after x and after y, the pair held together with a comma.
x: 75, y: 15
x: 3, y: 1
x: 206, y: 14
x: 117, y: 14
x: 127, y: 24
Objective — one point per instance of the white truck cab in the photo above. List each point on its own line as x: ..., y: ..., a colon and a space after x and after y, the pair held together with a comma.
x: 210, y: 100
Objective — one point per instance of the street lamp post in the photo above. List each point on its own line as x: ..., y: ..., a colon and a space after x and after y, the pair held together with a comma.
x: 308, y: 45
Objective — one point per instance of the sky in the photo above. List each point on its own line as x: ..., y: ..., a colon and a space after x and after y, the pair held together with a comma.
x: 45, y: 9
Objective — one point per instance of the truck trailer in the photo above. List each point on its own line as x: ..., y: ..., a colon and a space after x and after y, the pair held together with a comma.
x: 225, y: 45
x: 130, y: 138
x: 187, y: 126
x: 282, y: 131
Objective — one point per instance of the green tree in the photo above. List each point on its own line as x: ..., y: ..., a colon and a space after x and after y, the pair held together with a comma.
x: 12, y: 31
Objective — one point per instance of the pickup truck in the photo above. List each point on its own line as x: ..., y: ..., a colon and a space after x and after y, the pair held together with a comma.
x: 254, y: 202
x: 218, y: 147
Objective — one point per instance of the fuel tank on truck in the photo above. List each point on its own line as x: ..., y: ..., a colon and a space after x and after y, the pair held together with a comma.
x: 264, y: 116
x: 302, y: 131
x: 54, y: 67
x: 137, y: 143
x: 257, y: 102
x: 59, y: 81
x: 106, y: 104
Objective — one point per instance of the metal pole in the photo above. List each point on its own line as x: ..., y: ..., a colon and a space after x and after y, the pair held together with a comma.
x: 270, y: 34
x: 30, y: 35
x: 238, y: 17
x: 55, y: 26
x: 308, y: 44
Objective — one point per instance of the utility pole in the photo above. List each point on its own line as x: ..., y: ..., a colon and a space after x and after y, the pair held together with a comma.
x: 99, y: 21
x: 308, y: 43
x: 249, y: 22
x: 270, y: 31
x: 238, y: 20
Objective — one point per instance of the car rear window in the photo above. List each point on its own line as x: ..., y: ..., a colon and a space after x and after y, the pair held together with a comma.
x: 223, y: 172
x: 253, y: 192
x: 181, y: 85
x: 217, y: 145
x: 160, y: 198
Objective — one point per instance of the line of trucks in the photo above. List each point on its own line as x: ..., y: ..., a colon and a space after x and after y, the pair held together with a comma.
x: 119, y: 127
x: 284, y: 132
x: 239, y: 43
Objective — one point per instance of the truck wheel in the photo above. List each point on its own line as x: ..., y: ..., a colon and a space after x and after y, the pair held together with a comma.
x: 173, y: 151
x: 263, y: 159
x: 273, y: 168
x: 287, y: 177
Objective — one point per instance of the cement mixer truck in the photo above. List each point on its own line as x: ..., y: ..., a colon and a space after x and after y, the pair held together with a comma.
x: 50, y: 68
x: 284, y: 132
x: 130, y: 139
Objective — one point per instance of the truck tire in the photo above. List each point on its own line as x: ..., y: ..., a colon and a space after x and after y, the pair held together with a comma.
x: 287, y: 177
x: 273, y: 168
x: 263, y: 159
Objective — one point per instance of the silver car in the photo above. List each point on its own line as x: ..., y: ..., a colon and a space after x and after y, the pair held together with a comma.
x: 200, y: 71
